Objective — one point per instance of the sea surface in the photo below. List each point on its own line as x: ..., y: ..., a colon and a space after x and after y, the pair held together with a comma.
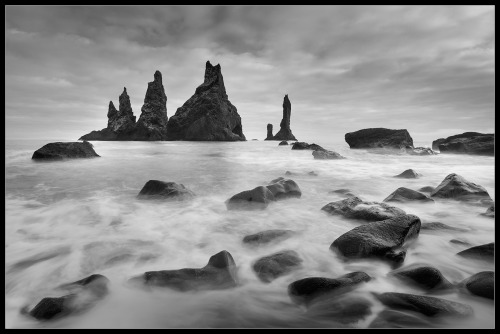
x: 65, y: 220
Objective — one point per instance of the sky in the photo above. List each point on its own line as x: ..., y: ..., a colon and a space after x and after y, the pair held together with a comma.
x: 427, y: 69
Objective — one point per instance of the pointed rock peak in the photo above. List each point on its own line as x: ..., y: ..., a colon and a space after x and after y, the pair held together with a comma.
x: 111, y: 105
x: 286, y: 101
x: 124, y: 93
x: 158, y: 76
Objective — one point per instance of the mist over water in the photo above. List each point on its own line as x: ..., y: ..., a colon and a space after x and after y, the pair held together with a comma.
x: 69, y: 219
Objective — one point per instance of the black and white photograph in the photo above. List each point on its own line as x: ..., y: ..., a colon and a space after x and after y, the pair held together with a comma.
x: 249, y: 167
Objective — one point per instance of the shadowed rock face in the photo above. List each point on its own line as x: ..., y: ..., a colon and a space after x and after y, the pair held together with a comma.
x: 403, y: 194
x: 154, y: 189
x: 456, y: 187
x: 208, y: 115
x: 285, y: 133
x: 269, y: 132
x: 275, y: 265
x: 60, y: 151
x: 355, y: 208
x: 467, y: 143
x: 480, y: 284
x: 424, y: 276
x: 379, y: 138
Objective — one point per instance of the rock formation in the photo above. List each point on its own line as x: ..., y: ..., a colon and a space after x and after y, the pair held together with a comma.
x: 208, y: 115
x: 481, y: 284
x: 60, y: 151
x: 154, y: 189
x: 403, y: 194
x: 467, y: 143
x: 423, y: 276
x: 456, y: 187
x: 409, y: 174
x: 269, y: 132
x: 379, y: 138
x: 326, y: 155
x: 275, y: 265
x: 285, y: 133
x: 355, y: 208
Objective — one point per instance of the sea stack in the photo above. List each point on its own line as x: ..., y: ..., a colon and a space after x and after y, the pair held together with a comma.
x: 467, y: 143
x: 269, y: 132
x: 285, y: 133
x: 208, y: 115
x: 379, y: 138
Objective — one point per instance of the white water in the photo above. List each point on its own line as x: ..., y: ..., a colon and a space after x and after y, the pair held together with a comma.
x: 67, y: 220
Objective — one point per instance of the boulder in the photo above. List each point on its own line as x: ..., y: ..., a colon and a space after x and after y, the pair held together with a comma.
x: 490, y: 212
x: 154, y: 189
x: 69, y: 150
x: 396, y: 319
x: 484, y: 252
x: 269, y: 132
x: 467, y: 143
x: 386, y: 240
x: 379, y: 138
x: 326, y: 155
x: 409, y: 174
x: 208, y: 115
x: 284, y: 142
x: 440, y: 226
x: 267, y: 236
x: 284, y: 188
x: 423, y: 276
x: 310, y: 289
x: 285, y: 133
x: 427, y: 189
x: 275, y: 265
x: 305, y: 146
x: 480, y: 284
x: 403, y: 194
x: 456, y: 187
x: 219, y: 273
x: 255, y: 199
x: 429, y: 306
x: 356, y: 208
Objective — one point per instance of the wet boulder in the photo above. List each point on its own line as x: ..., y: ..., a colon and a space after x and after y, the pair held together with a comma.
x: 356, y: 208
x: 326, y: 155
x: 255, y: 199
x: 267, y: 236
x: 154, y: 189
x: 379, y: 138
x: 283, y: 142
x: 60, y: 151
x: 270, y: 267
x: 429, y: 306
x: 480, y: 284
x: 219, y: 273
x: 484, y: 252
x: 305, y: 146
x: 310, y: 289
x: 396, y: 319
x: 409, y: 174
x: 423, y: 276
x: 456, y: 187
x: 284, y: 188
x: 403, y: 194
x: 386, y: 240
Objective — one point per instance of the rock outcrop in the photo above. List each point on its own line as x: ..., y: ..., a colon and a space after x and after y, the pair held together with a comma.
x: 456, y: 187
x: 403, y: 194
x: 269, y: 132
x: 60, y: 151
x: 154, y: 189
x: 285, y: 133
x: 467, y: 143
x: 275, y: 265
x: 355, y: 208
x: 208, y: 115
x: 379, y: 138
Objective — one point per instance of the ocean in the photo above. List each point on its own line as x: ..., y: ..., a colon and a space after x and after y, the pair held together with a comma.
x: 65, y: 220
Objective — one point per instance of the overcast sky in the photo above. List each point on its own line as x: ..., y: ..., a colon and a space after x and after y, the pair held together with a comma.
x: 428, y: 69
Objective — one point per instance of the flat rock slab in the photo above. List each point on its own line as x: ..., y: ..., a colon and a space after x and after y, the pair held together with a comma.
x: 403, y: 194
x: 326, y: 155
x: 60, y: 151
x: 484, y: 252
x: 429, y: 306
x: 409, y: 174
x: 456, y: 187
x: 385, y: 239
x: 309, y: 289
x: 480, y: 284
x: 154, y: 189
x: 423, y: 276
x: 356, y: 208
x: 275, y: 265
x: 435, y: 226
x: 219, y: 273
x: 267, y: 236
x: 395, y: 319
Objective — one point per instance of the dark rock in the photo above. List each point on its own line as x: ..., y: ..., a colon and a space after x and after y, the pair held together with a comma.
x: 326, y: 155
x: 344, y: 309
x: 284, y: 142
x: 429, y: 306
x: 456, y: 187
x: 208, y: 115
x: 403, y: 194
x: 424, y: 276
x: 440, y: 226
x: 344, y: 192
x: 427, y: 189
x: 275, y: 265
x: 154, y: 189
x: 284, y: 188
x: 480, y: 284
x: 305, y: 146
x: 51, y: 307
x: 152, y: 124
x: 490, y: 212
x: 379, y: 138
x: 483, y: 252
x: 460, y: 242
x: 285, y: 133
x: 219, y: 273
x: 395, y: 319
x: 257, y: 198
x: 309, y: 289
x: 420, y: 151
x: 269, y: 132
x: 266, y: 237
x: 467, y: 143
x: 385, y: 239
x: 59, y: 151
x: 356, y: 208
x: 409, y: 174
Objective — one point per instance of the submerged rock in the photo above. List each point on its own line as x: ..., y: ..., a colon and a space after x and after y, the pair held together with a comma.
x: 154, y: 189
x: 484, y: 252
x: 379, y: 138
x: 429, y: 306
x: 440, y: 226
x: 255, y: 199
x: 285, y: 133
x: 409, y: 174
x: 403, y: 194
x: 208, y: 115
x: 267, y: 236
x: 60, y: 151
x: 326, y: 155
x: 305, y: 146
x: 456, y: 187
x: 269, y: 132
x: 386, y: 240
x: 396, y: 319
x: 480, y: 284
x: 284, y: 142
x: 424, y: 276
x: 219, y: 273
x: 275, y: 265
x: 356, y: 208
x: 420, y: 151
x: 467, y: 143
x: 309, y: 289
